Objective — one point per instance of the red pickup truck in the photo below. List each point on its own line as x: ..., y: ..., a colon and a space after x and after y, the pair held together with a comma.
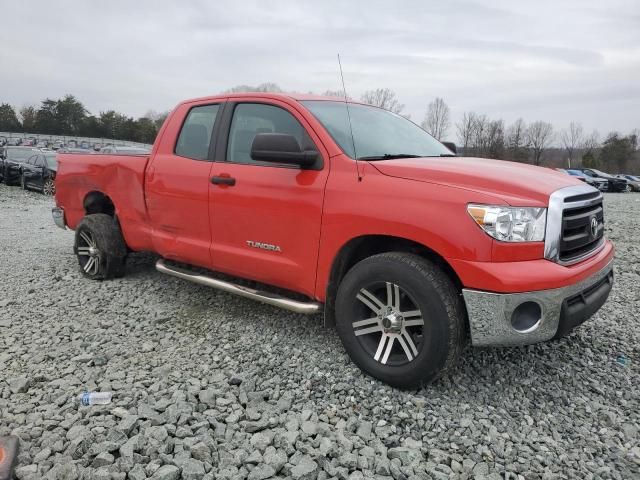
x: 354, y: 210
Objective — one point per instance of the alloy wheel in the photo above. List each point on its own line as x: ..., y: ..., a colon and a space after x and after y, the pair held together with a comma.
x: 394, y: 334
x: 87, y: 248
x: 49, y: 187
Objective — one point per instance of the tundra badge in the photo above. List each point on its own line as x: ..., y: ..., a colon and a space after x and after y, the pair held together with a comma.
x: 264, y: 246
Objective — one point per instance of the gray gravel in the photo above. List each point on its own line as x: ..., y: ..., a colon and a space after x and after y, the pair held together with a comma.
x: 207, y: 385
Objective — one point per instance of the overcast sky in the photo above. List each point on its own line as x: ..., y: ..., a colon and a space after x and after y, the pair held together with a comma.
x: 558, y: 60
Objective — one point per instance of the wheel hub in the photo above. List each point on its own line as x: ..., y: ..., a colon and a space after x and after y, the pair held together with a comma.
x: 392, y: 323
x: 93, y: 252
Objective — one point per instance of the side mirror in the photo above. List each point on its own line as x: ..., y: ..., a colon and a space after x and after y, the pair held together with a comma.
x: 281, y: 148
x: 451, y: 146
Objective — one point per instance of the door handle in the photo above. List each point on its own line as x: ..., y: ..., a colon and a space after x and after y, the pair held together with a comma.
x: 219, y: 180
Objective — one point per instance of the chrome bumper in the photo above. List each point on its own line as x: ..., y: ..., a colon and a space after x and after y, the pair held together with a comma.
x: 58, y: 217
x: 560, y: 309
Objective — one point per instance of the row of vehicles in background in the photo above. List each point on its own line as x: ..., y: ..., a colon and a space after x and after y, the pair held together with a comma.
x: 35, y: 168
x: 605, y: 182
x: 71, y: 146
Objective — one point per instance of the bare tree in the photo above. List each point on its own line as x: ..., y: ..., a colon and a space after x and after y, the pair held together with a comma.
x: 263, y: 87
x: 383, y: 98
x: 494, y: 139
x: 436, y: 121
x: 478, y: 135
x: 465, y: 130
x: 539, y: 136
x: 572, y: 140
x: 335, y: 93
x: 516, y: 141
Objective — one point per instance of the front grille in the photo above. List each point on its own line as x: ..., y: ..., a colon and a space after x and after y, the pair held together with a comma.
x: 578, y: 236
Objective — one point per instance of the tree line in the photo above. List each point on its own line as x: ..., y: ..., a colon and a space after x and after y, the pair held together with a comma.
x: 476, y: 134
x: 68, y: 116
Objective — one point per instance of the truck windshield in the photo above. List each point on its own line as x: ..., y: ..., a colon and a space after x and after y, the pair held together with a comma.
x: 377, y: 134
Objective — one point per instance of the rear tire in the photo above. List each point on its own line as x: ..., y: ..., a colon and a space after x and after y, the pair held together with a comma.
x: 100, y: 247
x: 400, y: 318
x: 49, y: 187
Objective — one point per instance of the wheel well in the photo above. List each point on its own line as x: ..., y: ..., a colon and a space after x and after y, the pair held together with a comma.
x: 365, y: 246
x: 98, y: 202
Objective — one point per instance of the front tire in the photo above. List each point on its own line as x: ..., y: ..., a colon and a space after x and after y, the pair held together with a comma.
x: 400, y: 318
x: 100, y: 247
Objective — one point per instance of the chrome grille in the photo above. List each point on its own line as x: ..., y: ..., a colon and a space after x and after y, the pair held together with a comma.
x: 575, y: 224
x: 582, y: 231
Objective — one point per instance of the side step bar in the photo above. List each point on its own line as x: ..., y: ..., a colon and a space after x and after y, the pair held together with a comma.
x: 264, y: 297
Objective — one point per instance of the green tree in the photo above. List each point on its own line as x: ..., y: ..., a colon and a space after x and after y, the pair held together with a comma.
x: 70, y: 114
x: 8, y: 119
x: 28, y: 114
x: 90, y: 127
x: 617, y: 151
x: 46, y: 117
x: 145, y: 130
x: 589, y: 160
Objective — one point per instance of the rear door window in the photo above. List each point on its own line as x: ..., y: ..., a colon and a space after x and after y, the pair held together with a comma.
x: 195, y: 136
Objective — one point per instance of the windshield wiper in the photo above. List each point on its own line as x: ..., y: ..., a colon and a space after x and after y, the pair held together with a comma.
x: 389, y: 156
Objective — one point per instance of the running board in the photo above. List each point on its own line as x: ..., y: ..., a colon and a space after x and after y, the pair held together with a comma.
x: 264, y: 297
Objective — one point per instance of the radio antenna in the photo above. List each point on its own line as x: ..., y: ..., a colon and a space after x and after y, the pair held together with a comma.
x: 346, y: 104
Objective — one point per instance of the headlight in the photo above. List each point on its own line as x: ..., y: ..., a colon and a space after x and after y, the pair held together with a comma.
x: 510, y: 224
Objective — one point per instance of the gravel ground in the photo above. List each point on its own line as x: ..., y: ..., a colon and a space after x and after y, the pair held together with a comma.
x: 207, y: 385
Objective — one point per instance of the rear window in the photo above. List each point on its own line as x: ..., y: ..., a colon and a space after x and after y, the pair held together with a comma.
x: 195, y: 136
x: 19, y: 153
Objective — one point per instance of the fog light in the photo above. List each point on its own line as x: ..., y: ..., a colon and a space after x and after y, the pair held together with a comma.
x: 526, y: 317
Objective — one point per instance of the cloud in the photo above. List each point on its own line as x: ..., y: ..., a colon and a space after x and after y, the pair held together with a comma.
x: 558, y: 61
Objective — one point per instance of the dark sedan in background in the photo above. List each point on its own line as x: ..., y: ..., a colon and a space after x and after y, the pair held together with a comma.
x: 11, y: 161
x: 632, y: 180
x: 599, y: 183
x: 39, y: 173
x: 614, y: 184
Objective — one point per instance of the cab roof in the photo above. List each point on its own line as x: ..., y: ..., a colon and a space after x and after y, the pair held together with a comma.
x: 270, y: 95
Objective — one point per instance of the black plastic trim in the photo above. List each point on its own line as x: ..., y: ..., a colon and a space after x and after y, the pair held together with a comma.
x: 580, y: 307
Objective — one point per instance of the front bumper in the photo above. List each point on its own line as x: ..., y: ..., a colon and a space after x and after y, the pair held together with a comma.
x: 58, y: 217
x: 523, y: 318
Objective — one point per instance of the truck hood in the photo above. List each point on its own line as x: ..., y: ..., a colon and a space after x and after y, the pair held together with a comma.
x: 515, y: 183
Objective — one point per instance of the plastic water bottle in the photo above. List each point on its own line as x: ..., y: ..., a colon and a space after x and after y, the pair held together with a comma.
x: 621, y: 359
x: 95, y: 398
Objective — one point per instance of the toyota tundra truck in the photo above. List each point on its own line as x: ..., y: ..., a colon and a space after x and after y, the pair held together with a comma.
x: 316, y: 204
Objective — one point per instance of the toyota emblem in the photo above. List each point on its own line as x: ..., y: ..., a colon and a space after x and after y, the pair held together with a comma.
x: 594, y: 227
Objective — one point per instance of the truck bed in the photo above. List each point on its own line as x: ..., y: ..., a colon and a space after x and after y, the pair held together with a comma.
x: 120, y: 177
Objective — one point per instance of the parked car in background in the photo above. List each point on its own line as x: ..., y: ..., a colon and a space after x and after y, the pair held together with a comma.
x: 632, y: 180
x: 39, y: 172
x: 75, y: 150
x: 598, y: 183
x: 12, y: 160
x: 613, y: 184
x: 114, y: 150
